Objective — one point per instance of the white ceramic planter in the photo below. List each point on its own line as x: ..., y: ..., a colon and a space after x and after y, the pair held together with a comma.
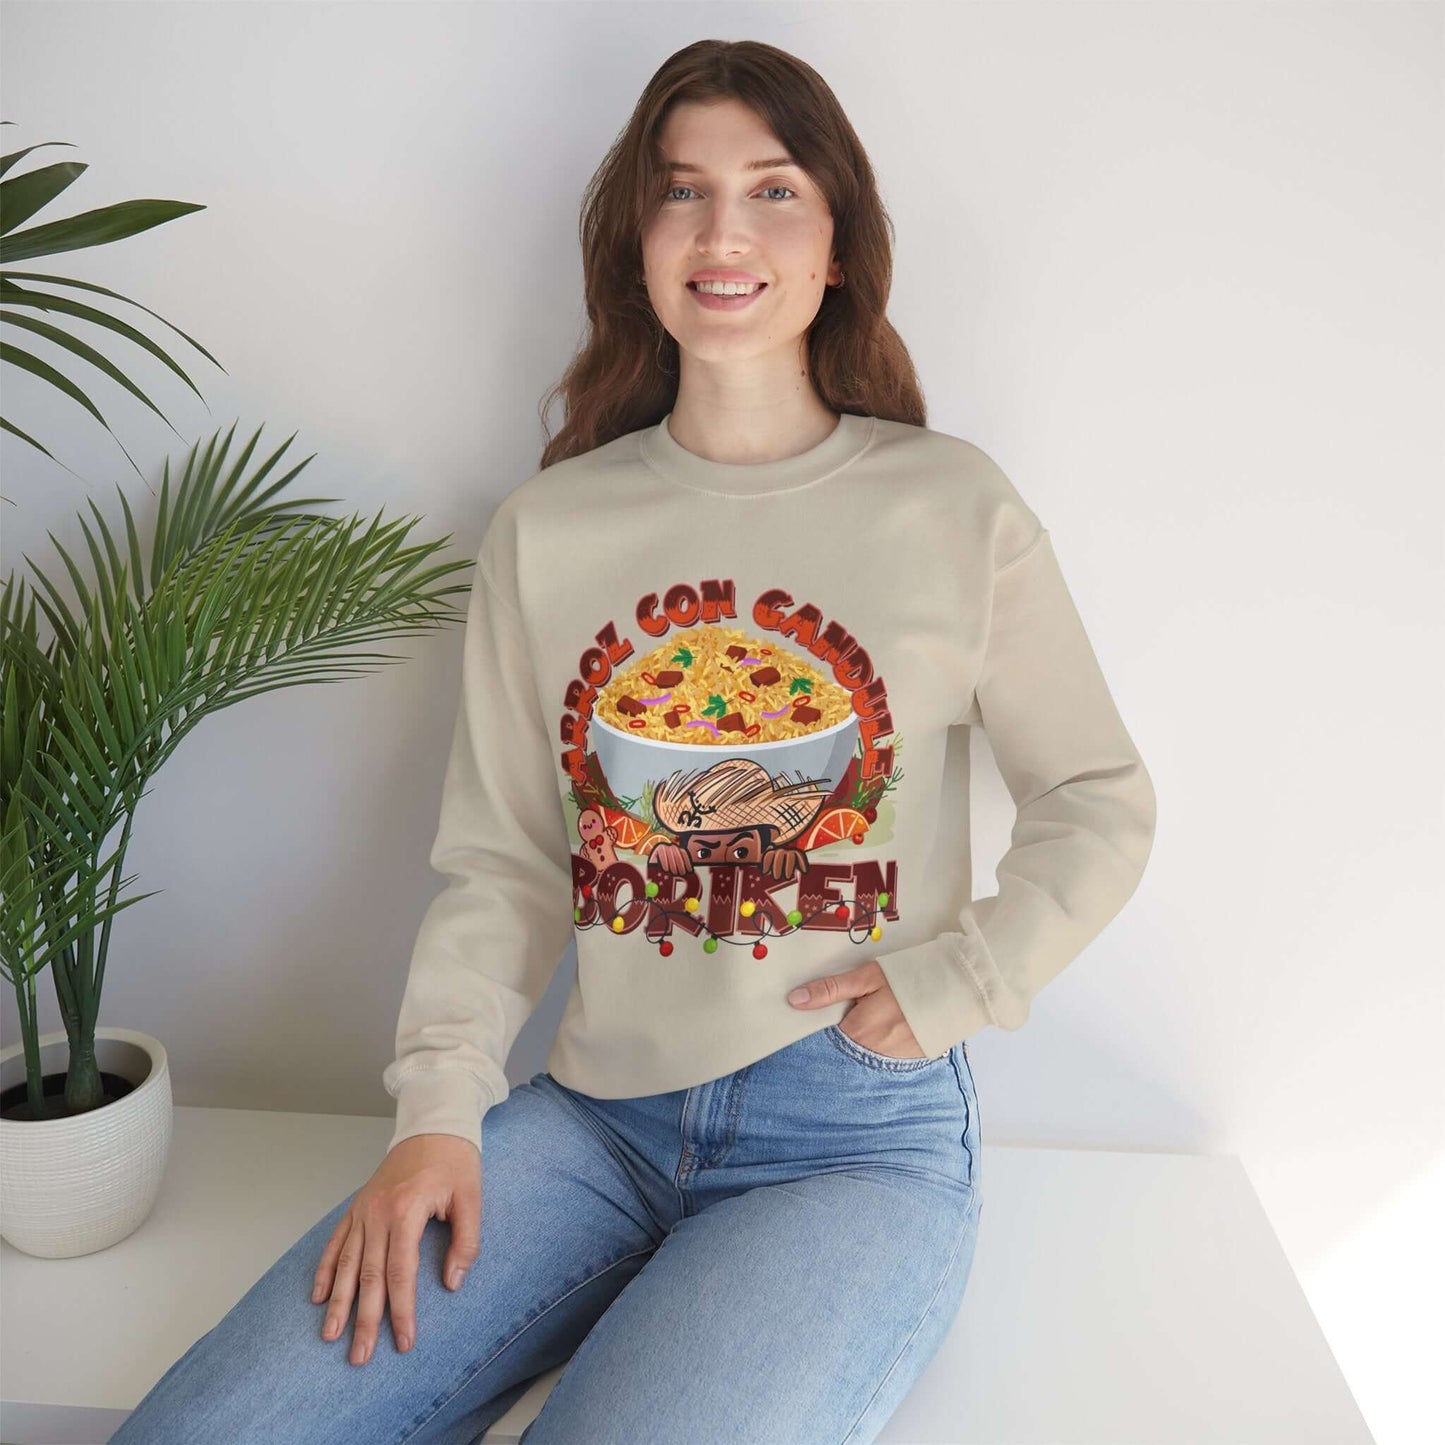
x: 73, y: 1186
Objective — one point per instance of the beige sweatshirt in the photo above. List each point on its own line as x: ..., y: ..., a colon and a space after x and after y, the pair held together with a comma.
x: 703, y: 717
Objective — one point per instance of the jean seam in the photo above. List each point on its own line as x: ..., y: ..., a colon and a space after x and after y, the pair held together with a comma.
x: 973, y: 1086
x: 684, y: 1152
x: 506, y: 1345
x: 732, y: 1116
x: 922, y: 1319
x: 968, y: 1115
x: 882, y: 1063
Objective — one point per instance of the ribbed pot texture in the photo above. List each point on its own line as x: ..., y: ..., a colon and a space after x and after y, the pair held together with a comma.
x: 73, y: 1186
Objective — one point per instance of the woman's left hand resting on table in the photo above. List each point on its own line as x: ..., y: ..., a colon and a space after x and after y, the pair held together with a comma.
x: 875, y: 1020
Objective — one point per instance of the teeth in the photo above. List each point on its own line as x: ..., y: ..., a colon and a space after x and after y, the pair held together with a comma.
x: 727, y: 288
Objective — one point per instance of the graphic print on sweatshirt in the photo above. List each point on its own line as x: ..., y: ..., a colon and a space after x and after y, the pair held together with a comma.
x: 721, y: 775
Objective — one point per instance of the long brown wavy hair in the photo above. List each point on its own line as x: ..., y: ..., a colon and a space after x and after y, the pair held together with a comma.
x: 625, y: 373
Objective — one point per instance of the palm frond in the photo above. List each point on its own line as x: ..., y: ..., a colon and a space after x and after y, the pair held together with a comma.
x: 243, y: 593
x: 21, y: 198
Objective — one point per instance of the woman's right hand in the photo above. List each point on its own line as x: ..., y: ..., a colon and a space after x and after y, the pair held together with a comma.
x: 378, y: 1240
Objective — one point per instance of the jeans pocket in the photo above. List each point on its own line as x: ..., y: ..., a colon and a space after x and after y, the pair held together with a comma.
x: 871, y: 1059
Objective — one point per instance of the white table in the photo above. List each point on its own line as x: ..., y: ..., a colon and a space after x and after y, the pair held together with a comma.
x: 1115, y: 1299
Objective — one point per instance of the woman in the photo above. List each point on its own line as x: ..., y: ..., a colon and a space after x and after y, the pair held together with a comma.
x: 743, y: 1198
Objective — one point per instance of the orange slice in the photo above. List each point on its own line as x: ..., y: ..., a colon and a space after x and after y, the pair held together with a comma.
x: 632, y: 833
x: 628, y: 830
x: 833, y: 825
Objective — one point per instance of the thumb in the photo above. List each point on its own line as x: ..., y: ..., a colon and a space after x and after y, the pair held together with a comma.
x: 832, y: 988
x: 466, y: 1222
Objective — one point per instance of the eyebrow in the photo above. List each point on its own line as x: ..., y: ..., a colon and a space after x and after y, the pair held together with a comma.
x: 767, y: 165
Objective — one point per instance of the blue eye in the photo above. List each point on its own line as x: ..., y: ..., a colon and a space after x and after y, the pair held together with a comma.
x: 779, y: 187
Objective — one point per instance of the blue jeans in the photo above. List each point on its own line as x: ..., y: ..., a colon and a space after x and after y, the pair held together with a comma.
x: 772, y: 1255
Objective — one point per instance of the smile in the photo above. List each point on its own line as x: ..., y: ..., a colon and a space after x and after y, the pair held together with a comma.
x: 724, y: 303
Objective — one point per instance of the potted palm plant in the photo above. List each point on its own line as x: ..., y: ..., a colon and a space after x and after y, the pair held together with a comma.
x: 241, y: 594
x: 237, y: 593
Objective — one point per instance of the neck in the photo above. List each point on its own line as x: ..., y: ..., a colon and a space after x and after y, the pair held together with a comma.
x: 747, y: 430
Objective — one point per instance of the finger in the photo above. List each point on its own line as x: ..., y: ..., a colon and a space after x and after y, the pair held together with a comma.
x: 466, y: 1222
x: 343, y: 1287
x: 371, y: 1301
x: 819, y: 992
x: 326, y: 1269
x: 403, y: 1257
x: 855, y: 983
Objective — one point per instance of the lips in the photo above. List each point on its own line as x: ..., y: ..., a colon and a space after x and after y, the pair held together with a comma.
x: 708, y: 301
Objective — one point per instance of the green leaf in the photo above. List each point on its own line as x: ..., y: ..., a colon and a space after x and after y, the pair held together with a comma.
x: 12, y: 296
x: 22, y: 196
x: 88, y: 354
x: 92, y: 228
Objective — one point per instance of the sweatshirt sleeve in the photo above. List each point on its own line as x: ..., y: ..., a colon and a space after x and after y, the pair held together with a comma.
x: 1085, y: 816
x: 491, y: 940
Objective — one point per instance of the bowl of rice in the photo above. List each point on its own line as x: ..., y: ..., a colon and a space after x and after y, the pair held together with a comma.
x: 712, y: 693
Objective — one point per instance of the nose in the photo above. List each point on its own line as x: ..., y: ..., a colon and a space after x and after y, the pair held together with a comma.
x: 722, y: 233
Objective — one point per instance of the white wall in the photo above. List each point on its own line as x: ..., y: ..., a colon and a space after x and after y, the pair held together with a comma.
x: 1175, y: 266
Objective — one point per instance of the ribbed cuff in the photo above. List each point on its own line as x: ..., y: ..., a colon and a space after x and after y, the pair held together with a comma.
x: 440, y: 1101
x: 937, y: 993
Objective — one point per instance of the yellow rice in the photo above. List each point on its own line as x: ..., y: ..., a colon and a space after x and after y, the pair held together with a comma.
x: 709, y: 673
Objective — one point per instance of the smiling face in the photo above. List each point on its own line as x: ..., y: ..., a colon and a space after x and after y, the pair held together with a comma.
x: 721, y: 213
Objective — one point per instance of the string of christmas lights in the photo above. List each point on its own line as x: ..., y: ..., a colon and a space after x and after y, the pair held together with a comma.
x: 747, y: 908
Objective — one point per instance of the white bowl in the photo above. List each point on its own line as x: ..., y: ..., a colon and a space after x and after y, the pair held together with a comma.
x: 633, y: 765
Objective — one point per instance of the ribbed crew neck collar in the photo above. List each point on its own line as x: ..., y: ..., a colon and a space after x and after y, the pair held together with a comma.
x: 848, y: 440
